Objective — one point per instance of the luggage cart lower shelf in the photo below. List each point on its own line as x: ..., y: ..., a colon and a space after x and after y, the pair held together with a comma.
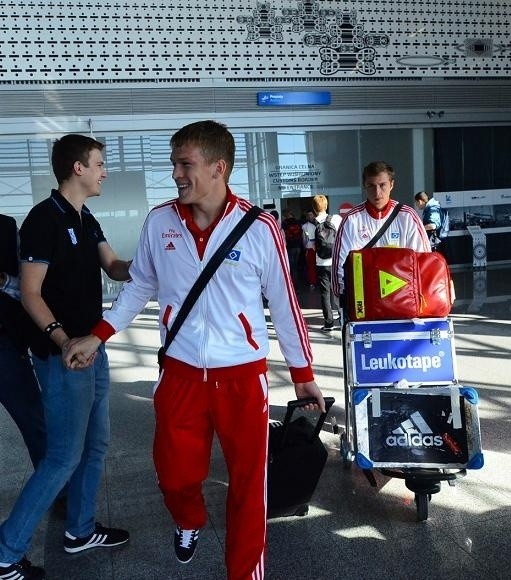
x: 423, y: 482
x: 424, y: 433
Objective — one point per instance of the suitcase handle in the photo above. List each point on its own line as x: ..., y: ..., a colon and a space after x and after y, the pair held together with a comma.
x: 297, y: 404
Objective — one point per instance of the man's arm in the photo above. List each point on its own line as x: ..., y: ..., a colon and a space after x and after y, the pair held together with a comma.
x: 339, y: 254
x: 116, y: 269
x: 130, y: 301
x: 416, y: 237
x: 289, y: 324
x: 32, y: 277
x: 81, y: 351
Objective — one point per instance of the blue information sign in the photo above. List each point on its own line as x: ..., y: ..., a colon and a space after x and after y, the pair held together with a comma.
x: 279, y: 99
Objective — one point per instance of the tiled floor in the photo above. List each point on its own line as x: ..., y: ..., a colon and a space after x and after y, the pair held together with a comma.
x: 353, y: 530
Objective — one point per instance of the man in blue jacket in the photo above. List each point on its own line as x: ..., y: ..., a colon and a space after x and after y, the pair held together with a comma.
x: 431, y: 216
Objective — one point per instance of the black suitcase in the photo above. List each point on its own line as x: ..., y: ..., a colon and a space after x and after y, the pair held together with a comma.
x: 296, y: 457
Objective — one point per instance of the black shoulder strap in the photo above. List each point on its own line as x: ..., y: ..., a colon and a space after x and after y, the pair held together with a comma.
x: 385, y: 226
x: 218, y: 257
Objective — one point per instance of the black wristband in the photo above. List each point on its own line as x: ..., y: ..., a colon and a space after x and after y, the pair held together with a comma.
x: 51, y: 327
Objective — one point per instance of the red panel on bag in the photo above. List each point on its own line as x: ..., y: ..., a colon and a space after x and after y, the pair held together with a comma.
x: 396, y: 283
x: 436, y: 285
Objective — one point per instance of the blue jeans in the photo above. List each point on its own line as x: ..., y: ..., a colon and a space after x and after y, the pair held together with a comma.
x: 20, y: 395
x: 78, y: 429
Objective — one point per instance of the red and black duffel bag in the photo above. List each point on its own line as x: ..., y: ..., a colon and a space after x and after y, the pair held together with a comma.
x: 396, y: 283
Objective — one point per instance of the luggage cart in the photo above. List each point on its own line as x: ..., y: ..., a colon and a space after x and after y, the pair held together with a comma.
x: 405, y: 413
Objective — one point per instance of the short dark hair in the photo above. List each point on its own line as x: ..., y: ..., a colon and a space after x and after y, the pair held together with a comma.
x: 422, y: 196
x: 376, y: 167
x: 212, y: 138
x: 69, y: 149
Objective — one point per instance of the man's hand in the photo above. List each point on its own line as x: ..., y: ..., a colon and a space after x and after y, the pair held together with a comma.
x: 310, y: 389
x: 79, y: 353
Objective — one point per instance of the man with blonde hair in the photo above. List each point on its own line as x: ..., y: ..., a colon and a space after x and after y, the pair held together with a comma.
x: 215, y: 368
x: 324, y: 262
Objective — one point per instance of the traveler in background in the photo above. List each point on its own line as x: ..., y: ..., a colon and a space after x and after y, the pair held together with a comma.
x: 293, y: 236
x: 362, y: 222
x: 275, y: 214
x: 62, y: 252
x: 431, y: 216
x: 329, y: 304
x: 19, y: 390
x: 309, y: 233
x: 214, y: 373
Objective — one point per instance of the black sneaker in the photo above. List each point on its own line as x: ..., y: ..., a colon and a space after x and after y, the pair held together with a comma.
x: 328, y: 327
x: 185, y: 542
x: 22, y: 570
x: 101, y: 537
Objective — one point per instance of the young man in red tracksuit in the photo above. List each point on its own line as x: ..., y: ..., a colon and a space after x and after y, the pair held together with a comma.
x: 214, y: 373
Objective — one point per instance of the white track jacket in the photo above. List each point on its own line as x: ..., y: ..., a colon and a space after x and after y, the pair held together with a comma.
x: 227, y: 325
x: 361, y: 224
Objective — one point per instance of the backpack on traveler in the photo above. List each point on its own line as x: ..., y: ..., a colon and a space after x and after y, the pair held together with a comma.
x: 325, y: 238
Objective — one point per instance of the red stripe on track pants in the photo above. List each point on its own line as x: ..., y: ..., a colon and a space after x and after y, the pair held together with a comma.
x: 188, y: 412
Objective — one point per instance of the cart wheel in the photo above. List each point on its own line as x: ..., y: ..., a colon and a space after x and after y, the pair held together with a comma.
x: 346, y: 453
x: 348, y: 461
x: 422, y: 501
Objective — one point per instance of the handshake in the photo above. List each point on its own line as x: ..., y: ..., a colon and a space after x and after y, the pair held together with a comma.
x: 80, y: 353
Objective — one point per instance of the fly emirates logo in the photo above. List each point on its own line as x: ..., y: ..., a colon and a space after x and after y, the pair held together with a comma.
x: 391, y: 362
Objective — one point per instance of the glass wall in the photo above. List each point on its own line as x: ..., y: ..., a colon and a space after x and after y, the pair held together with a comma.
x: 280, y: 168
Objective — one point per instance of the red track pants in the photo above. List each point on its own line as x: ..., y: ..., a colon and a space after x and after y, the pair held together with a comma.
x: 233, y: 402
